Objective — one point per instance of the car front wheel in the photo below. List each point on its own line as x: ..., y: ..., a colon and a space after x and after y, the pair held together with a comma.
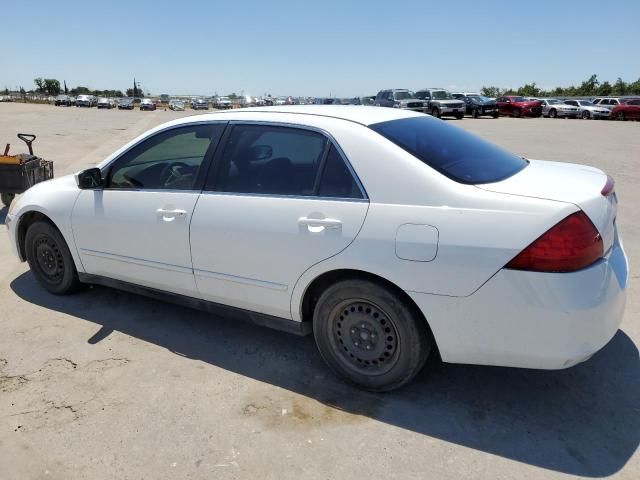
x: 50, y: 260
x: 586, y: 115
x: 369, y: 336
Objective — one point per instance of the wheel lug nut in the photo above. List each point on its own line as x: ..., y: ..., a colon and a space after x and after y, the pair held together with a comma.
x: 353, y: 330
x: 356, y: 343
x: 368, y: 347
x: 362, y: 326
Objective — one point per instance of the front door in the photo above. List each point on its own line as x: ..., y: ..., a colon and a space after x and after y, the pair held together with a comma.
x: 279, y: 200
x: 136, y: 228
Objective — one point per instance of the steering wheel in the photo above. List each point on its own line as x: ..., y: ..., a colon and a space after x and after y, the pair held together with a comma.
x: 171, y: 173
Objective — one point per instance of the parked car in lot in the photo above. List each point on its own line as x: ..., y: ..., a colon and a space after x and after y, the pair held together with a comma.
x: 125, y: 103
x: 107, y: 103
x: 222, y: 103
x: 440, y: 103
x: 147, y: 104
x: 176, y: 105
x: 517, y: 106
x: 589, y: 110
x: 400, y: 98
x: 86, y: 101
x: 368, y: 100
x: 62, y: 101
x: 416, y: 238
x: 199, y: 104
x: 628, y: 110
x: 478, y: 105
x: 553, y: 108
x: 608, y: 102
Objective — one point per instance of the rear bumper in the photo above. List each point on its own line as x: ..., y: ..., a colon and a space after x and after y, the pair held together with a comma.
x: 532, y: 320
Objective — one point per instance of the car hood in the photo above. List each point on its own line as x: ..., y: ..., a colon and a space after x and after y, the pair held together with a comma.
x: 528, y: 103
x: 484, y: 103
x: 564, y: 182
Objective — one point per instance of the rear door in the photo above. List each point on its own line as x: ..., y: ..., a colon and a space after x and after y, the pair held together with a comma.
x: 278, y: 200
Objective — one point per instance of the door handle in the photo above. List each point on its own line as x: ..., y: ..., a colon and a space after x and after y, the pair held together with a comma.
x: 319, y: 223
x: 170, y: 215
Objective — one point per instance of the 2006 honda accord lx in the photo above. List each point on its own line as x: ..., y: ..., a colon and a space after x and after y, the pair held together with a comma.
x: 389, y: 234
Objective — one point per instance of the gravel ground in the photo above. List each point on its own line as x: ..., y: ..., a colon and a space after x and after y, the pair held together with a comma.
x: 104, y: 384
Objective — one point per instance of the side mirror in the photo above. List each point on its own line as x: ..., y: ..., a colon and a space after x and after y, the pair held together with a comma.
x: 89, y: 178
x: 261, y: 152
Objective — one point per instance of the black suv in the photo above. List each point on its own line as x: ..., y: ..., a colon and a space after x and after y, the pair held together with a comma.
x: 400, y: 98
x: 478, y: 105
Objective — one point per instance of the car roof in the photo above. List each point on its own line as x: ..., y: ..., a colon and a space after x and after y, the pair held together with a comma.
x: 364, y: 115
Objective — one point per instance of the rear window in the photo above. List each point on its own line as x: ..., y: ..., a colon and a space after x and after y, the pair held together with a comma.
x: 459, y: 155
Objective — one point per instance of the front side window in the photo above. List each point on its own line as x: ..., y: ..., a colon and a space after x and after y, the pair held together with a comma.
x: 267, y: 159
x: 169, y: 160
x: 459, y: 155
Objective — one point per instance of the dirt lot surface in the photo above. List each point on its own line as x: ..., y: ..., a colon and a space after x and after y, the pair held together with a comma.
x: 107, y: 385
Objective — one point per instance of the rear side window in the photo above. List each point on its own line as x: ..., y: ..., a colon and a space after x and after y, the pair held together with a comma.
x: 459, y: 155
x: 272, y: 160
x: 337, y: 181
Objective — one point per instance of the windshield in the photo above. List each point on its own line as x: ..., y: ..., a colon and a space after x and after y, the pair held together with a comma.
x: 441, y: 95
x: 586, y: 103
x: 480, y: 98
x: 554, y: 102
x: 404, y: 95
x: 459, y: 155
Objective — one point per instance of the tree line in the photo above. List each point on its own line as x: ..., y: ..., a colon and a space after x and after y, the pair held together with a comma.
x: 592, y: 87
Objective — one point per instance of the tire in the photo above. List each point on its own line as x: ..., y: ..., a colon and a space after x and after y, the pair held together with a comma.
x: 435, y: 112
x: 50, y: 260
x: 553, y: 113
x: 621, y: 116
x: 7, y: 198
x: 475, y: 113
x: 460, y: 116
x: 516, y: 113
x: 496, y: 115
x: 369, y: 336
x: 586, y: 115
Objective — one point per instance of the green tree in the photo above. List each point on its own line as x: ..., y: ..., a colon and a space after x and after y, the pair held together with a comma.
x: 634, y: 88
x: 51, y: 86
x: 39, y: 83
x: 6, y: 91
x: 233, y: 96
x: 620, y: 87
x: 529, y: 90
x: 491, y: 91
x: 23, y: 94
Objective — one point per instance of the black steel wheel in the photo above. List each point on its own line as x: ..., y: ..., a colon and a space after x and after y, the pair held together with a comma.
x: 368, y: 336
x: 49, y: 259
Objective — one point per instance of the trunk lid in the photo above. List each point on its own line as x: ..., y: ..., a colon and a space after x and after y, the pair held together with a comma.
x: 565, y: 182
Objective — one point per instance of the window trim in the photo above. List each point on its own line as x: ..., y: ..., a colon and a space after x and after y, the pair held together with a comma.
x: 204, y: 168
x: 209, y: 186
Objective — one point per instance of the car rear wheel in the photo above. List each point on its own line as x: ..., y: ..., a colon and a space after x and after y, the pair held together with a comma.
x: 517, y: 113
x: 435, y: 112
x: 586, y: 115
x: 50, y: 260
x: 553, y: 113
x: 369, y: 336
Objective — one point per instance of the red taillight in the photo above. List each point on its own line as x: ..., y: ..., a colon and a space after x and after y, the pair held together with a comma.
x: 570, y: 245
x: 608, y: 187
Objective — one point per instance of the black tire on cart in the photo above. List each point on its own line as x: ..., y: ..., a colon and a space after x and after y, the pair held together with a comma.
x: 7, y: 198
x: 369, y: 336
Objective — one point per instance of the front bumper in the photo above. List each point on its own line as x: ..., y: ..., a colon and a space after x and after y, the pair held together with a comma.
x: 452, y: 111
x: 530, y: 319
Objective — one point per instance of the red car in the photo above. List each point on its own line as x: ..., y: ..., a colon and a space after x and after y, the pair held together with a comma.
x: 519, y: 106
x: 629, y: 110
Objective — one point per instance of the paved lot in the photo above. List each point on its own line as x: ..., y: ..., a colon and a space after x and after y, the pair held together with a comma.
x: 105, y: 384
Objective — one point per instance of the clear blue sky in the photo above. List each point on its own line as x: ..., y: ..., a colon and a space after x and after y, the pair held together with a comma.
x: 310, y: 47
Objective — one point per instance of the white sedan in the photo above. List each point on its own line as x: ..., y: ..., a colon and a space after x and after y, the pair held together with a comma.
x: 389, y: 234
